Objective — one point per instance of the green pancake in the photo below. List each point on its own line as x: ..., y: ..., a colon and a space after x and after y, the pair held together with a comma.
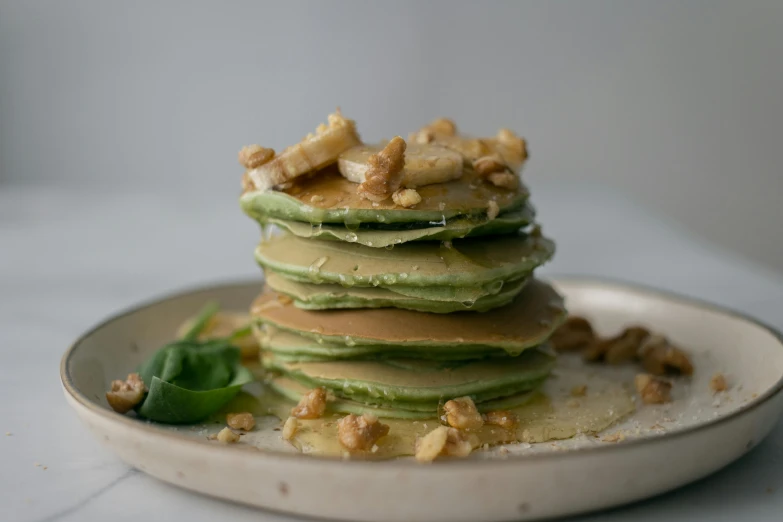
x: 294, y: 391
x: 416, y: 384
x: 291, y: 347
x: 327, y: 197
x: 326, y: 297
x: 459, y: 263
x: 473, y: 226
x: 524, y: 323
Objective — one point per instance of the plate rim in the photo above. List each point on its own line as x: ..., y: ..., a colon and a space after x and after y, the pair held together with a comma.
x: 151, y: 429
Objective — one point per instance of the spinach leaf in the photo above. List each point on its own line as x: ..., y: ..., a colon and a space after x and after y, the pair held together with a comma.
x: 201, y: 321
x: 189, y: 380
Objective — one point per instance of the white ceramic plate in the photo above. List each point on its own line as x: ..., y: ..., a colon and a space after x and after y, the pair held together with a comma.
x: 664, y: 447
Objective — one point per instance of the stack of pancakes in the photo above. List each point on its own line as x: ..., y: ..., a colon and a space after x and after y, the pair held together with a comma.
x: 395, y: 310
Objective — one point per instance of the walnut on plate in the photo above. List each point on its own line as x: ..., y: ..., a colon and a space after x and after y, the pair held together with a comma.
x: 360, y: 432
x: 445, y: 441
x: 661, y: 357
x: 619, y: 349
x: 653, y: 390
x: 125, y: 395
x: 241, y: 421
x: 312, y: 405
x: 461, y: 413
x: 575, y: 334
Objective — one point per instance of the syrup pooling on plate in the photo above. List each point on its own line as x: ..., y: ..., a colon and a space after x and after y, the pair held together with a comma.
x: 553, y: 414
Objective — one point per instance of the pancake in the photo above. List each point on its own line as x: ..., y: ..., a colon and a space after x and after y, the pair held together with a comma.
x: 327, y: 197
x: 525, y: 322
x: 462, y: 262
x: 293, y: 391
x: 416, y: 384
x: 329, y: 296
x: 289, y: 346
x: 470, y: 226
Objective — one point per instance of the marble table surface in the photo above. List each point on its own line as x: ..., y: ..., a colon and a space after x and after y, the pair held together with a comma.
x: 72, y: 256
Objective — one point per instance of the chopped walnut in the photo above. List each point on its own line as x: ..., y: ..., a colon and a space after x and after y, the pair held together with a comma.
x: 622, y: 348
x: 653, y: 390
x: 227, y: 436
x: 579, y: 391
x: 443, y: 126
x: 505, y: 180
x: 406, y: 197
x: 290, y: 427
x: 660, y: 357
x: 517, y: 145
x: 124, y: 395
x: 575, y: 334
x: 385, y: 172
x: 312, y: 405
x: 492, y: 209
x: 241, y: 421
x: 360, y: 432
x: 486, y: 165
x: 461, y: 413
x: 253, y: 156
x: 445, y: 441
x: 718, y: 383
x: 505, y: 419
x: 438, y: 128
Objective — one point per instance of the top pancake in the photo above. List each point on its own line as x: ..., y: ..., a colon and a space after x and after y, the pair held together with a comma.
x: 327, y: 197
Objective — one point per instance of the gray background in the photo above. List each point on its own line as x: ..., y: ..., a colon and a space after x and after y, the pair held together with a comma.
x: 678, y: 103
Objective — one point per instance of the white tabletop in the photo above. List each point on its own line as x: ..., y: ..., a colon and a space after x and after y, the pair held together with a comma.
x: 70, y: 257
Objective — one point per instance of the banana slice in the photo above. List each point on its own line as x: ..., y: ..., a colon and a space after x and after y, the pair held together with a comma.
x: 425, y: 164
x: 506, y: 144
x: 314, y: 152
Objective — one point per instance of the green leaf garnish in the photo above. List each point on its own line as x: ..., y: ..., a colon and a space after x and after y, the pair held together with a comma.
x: 201, y: 321
x: 188, y: 380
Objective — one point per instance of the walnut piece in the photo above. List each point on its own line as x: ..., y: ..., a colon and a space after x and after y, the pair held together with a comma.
x: 385, y: 172
x: 492, y: 209
x: 505, y: 180
x: 360, y: 432
x: 461, y: 413
x: 445, y: 441
x: 253, y: 156
x: 660, y: 357
x: 486, y: 165
x: 617, y: 350
x: 124, y: 395
x: 241, y: 421
x: 290, y: 427
x: 437, y: 128
x: 718, y: 383
x: 514, y: 143
x: 505, y: 419
x: 575, y: 334
x: 653, y: 390
x: 312, y: 405
x: 406, y: 197
x: 227, y: 436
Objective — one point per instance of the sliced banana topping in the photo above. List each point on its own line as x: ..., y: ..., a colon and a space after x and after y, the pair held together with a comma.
x: 425, y: 164
x: 314, y: 152
x: 506, y: 144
